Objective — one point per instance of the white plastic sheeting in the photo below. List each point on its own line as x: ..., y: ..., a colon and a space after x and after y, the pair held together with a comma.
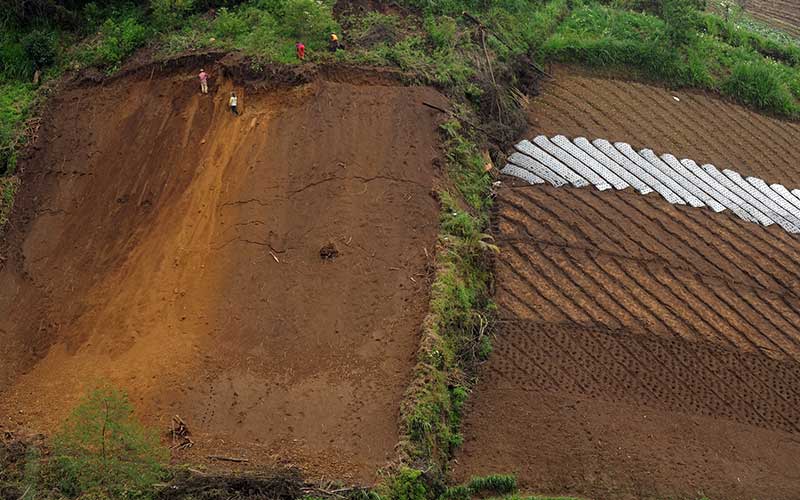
x: 580, y: 163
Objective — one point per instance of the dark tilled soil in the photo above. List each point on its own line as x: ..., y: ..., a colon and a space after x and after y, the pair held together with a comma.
x: 644, y: 350
x: 782, y: 14
x: 168, y: 247
x: 699, y: 126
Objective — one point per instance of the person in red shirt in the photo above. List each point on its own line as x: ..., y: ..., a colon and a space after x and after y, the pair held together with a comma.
x: 203, y: 81
x: 301, y: 51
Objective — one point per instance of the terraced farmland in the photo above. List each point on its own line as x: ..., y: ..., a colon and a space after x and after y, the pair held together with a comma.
x: 698, y: 126
x: 646, y: 349
x: 782, y: 14
x: 604, y: 165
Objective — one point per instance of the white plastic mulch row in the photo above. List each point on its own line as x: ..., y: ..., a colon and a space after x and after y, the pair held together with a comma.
x: 579, y: 163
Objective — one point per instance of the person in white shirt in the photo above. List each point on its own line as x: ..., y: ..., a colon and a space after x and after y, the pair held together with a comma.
x: 234, y: 102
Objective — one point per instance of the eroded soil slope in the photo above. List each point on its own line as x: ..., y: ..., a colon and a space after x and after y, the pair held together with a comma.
x: 168, y: 247
x: 645, y: 350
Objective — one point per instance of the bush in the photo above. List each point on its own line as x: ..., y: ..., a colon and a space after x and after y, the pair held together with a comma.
x: 681, y: 17
x: 407, y: 485
x: 40, y: 47
x: 167, y: 13
x: 760, y: 84
x: 103, y: 450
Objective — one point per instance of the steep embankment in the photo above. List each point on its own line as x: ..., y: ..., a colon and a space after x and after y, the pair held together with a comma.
x: 645, y: 350
x: 166, y: 246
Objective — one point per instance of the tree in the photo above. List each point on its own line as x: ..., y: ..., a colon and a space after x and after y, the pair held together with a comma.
x: 682, y: 18
x: 103, y: 449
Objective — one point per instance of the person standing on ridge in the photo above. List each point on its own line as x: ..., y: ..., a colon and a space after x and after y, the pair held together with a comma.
x: 234, y: 102
x: 301, y: 51
x: 333, y: 43
x: 203, y: 81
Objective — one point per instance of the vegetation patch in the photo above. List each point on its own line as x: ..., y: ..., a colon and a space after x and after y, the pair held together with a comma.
x: 457, y: 331
x: 682, y: 47
x: 100, y: 452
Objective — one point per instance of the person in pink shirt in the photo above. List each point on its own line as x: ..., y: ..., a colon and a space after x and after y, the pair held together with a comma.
x: 301, y: 51
x: 203, y: 81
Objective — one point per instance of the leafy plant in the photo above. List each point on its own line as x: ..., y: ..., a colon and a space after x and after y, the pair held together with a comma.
x: 102, y: 448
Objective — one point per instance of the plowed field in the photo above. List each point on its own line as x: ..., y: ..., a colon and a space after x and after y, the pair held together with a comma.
x: 645, y: 350
x: 699, y: 126
x: 782, y: 14
x: 173, y: 249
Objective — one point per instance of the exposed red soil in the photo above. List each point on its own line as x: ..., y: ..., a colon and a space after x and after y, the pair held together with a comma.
x: 700, y: 126
x: 164, y: 245
x: 782, y: 14
x: 645, y: 350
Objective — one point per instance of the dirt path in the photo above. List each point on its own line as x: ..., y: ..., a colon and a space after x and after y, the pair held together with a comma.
x: 645, y: 350
x: 172, y: 249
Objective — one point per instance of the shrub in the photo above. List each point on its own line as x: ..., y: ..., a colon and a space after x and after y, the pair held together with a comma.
x: 681, y: 17
x: 441, y: 31
x: 407, y: 484
x: 119, y: 40
x: 102, y: 449
x: 167, y: 13
x: 760, y: 84
x: 40, y: 47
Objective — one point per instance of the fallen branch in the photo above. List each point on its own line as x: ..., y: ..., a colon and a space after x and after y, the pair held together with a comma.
x: 228, y: 459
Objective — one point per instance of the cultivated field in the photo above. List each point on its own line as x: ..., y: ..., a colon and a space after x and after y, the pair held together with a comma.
x: 168, y: 247
x: 646, y: 350
x: 705, y: 129
x: 782, y: 14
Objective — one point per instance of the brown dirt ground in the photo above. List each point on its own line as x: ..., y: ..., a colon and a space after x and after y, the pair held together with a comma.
x: 701, y: 126
x: 645, y: 350
x: 164, y: 245
x: 782, y: 14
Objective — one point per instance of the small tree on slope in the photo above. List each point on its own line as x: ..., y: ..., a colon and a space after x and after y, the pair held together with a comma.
x: 103, y: 449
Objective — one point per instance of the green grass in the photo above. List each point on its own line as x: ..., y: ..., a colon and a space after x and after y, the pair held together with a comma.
x: 264, y: 30
x: 729, y: 60
x: 15, y: 101
x: 8, y: 189
x: 456, y: 332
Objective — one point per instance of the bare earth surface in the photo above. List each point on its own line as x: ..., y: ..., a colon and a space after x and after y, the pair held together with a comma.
x: 782, y: 14
x: 646, y: 350
x: 164, y: 245
x: 698, y: 126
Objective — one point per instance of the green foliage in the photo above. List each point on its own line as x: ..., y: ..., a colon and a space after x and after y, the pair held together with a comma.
x: 407, y: 484
x: 15, y: 101
x: 265, y: 29
x: 119, y: 40
x: 499, y: 484
x: 760, y: 84
x: 465, y: 167
x: 102, y: 449
x: 168, y: 13
x: 724, y: 58
x: 40, y: 47
x: 681, y: 18
x: 8, y: 189
x: 456, y: 331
